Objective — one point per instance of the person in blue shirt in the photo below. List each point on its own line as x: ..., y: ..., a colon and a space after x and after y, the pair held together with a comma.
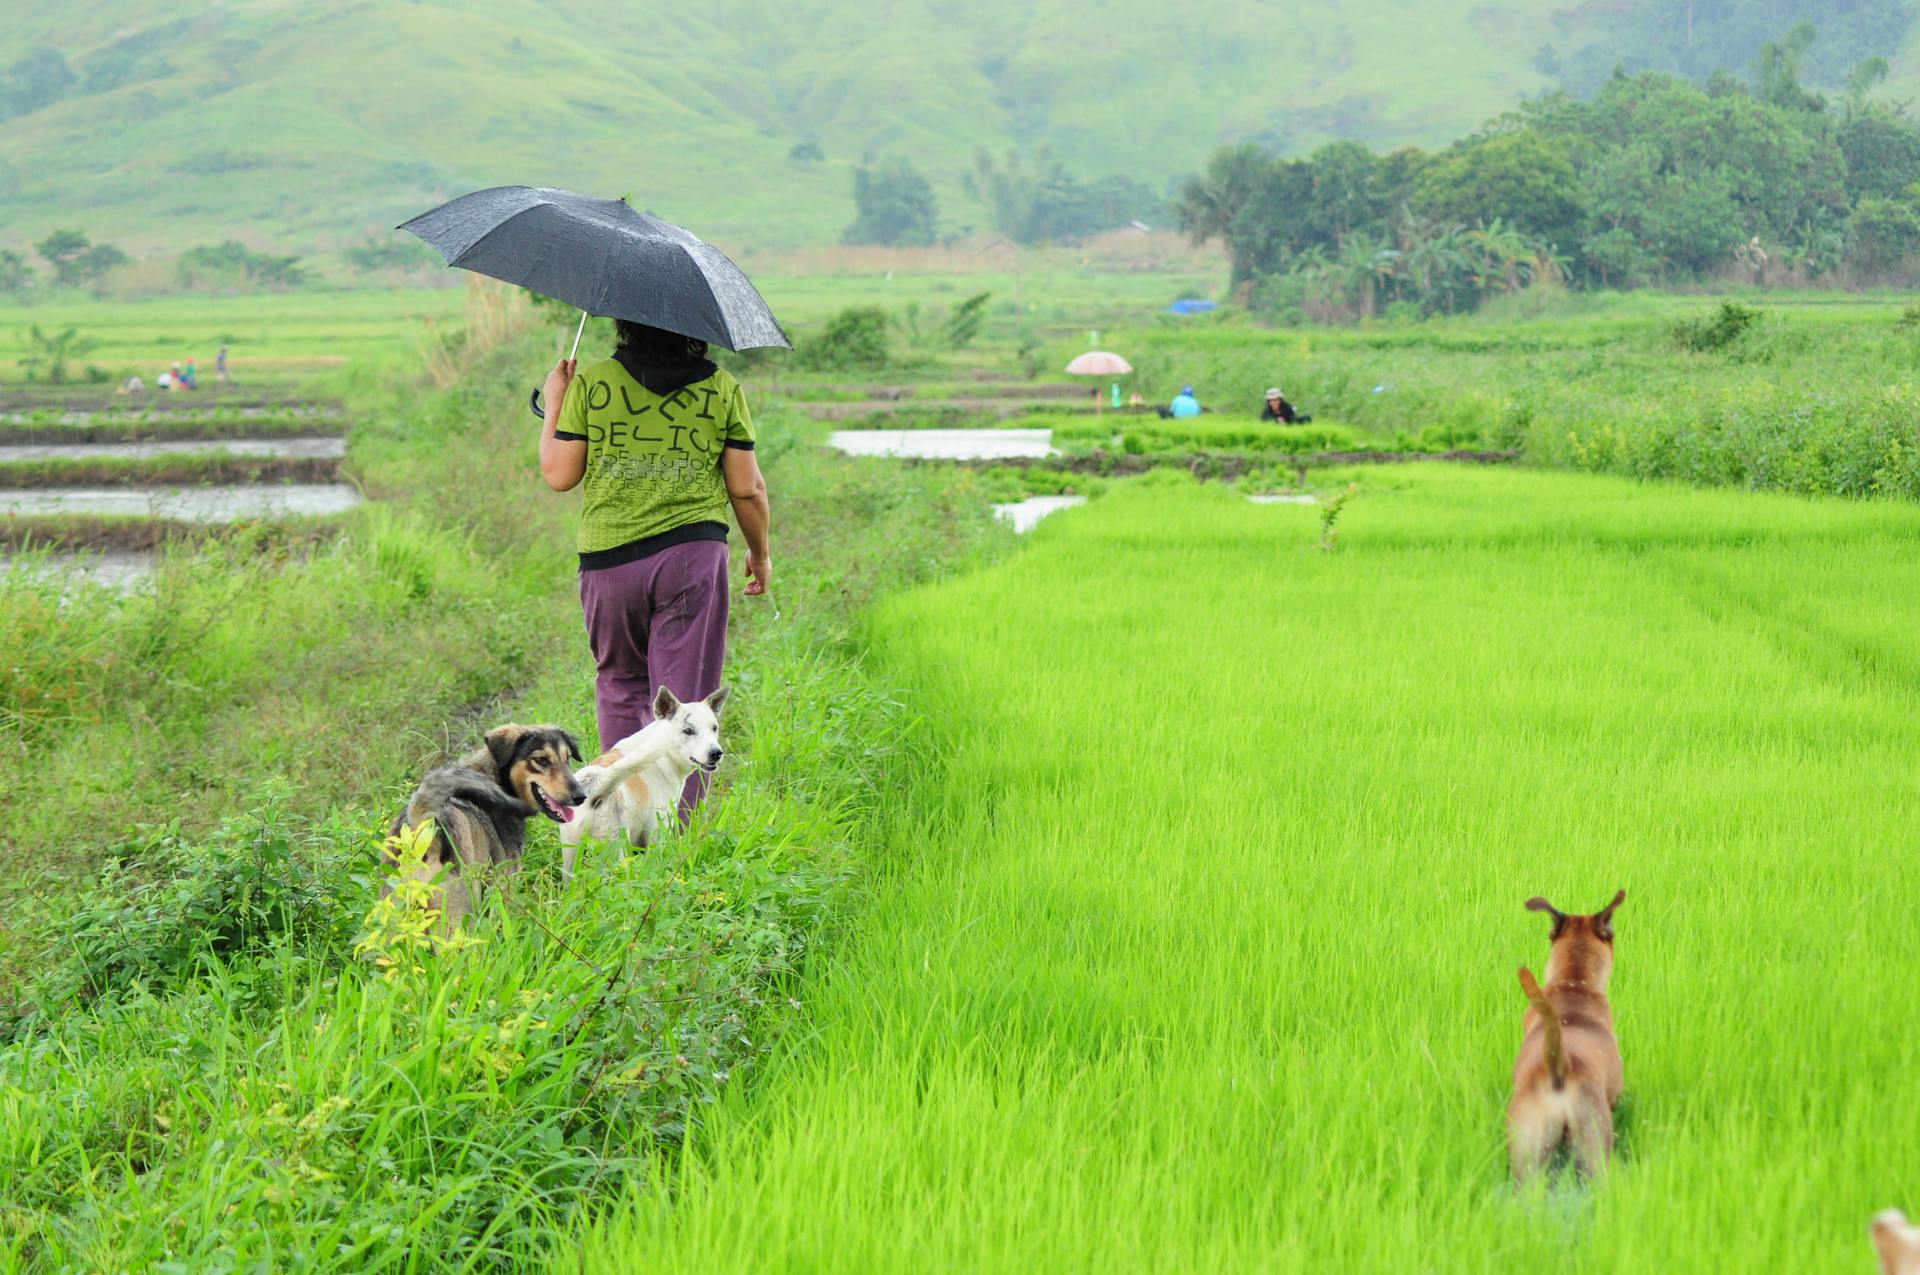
x: 1185, y: 406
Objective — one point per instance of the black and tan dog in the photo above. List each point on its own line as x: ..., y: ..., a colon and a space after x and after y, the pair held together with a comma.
x: 480, y: 805
x: 1568, y: 1077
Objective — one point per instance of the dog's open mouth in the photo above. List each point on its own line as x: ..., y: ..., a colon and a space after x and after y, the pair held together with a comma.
x: 709, y: 766
x: 549, y: 807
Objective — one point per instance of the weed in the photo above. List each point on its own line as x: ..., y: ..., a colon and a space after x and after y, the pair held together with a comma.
x: 1330, y: 510
x: 1717, y: 331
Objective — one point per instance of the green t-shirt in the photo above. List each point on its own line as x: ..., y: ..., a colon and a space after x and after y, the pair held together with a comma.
x: 653, y: 461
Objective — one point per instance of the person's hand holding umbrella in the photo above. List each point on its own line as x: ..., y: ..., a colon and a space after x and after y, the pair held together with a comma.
x: 555, y: 390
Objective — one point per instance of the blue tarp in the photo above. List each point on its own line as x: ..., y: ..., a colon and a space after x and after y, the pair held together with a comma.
x: 1190, y: 305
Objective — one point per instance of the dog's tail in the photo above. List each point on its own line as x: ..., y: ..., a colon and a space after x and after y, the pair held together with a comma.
x: 458, y: 784
x: 595, y: 780
x: 1550, y: 1025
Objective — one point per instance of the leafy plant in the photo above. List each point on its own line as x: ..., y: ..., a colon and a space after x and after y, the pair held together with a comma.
x: 76, y: 259
x: 1330, y: 511
x: 963, y: 325
x: 1714, y: 332
x: 895, y: 203
x: 232, y: 263
x: 853, y: 339
x: 50, y: 354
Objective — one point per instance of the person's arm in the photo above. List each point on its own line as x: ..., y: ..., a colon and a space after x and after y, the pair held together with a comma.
x: 563, y: 453
x: 747, y: 491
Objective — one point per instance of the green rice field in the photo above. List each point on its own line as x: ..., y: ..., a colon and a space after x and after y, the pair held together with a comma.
x: 1142, y: 893
x: 1200, y: 954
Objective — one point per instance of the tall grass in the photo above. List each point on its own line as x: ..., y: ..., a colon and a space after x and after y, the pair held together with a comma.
x: 1205, y: 956
x: 1814, y: 398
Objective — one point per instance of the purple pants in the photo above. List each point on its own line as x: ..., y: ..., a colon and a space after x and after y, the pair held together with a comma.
x: 661, y: 621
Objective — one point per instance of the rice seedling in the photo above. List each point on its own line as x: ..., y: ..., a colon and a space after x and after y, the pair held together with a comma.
x: 1202, y: 953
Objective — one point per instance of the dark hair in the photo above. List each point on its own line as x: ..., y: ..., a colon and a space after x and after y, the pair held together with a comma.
x: 657, y: 345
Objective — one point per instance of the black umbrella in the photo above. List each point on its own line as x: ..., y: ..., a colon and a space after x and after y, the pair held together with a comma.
x: 604, y: 257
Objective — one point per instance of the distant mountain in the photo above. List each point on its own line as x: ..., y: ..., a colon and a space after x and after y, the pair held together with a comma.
x: 309, y: 127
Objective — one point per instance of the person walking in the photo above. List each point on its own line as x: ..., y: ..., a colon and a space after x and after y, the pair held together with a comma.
x: 662, y: 440
x: 220, y: 365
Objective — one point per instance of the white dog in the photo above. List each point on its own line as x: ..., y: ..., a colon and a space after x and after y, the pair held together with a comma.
x: 631, y: 785
x: 1898, y: 1242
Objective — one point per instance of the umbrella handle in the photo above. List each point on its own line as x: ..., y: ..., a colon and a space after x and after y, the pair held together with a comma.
x: 533, y: 401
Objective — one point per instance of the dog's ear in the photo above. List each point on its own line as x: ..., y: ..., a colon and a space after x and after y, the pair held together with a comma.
x: 664, y: 704
x: 715, y: 700
x: 573, y: 745
x: 500, y: 742
x: 1603, y: 919
x: 1538, y: 904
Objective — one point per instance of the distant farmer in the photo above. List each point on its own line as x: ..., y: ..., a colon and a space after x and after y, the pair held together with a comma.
x: 220, y: 365
x: 191, y: 376
x: 664, y: 443
x: 1184, y: 406
x: 1279, y: 410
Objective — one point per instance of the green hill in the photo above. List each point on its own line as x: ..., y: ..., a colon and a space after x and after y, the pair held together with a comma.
x: 308, y: 127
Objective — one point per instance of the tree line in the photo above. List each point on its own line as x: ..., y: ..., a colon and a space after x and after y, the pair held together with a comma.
x: 1653, y: 179
x: 1031, y: 197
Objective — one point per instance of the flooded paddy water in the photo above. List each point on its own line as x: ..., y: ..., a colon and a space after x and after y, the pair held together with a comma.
x: 183, y: 504
x: 944, y: 444
x: 297, y: 448
x: 65, y: 468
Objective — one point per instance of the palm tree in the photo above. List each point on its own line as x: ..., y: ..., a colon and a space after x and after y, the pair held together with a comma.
x: 1210, y: 202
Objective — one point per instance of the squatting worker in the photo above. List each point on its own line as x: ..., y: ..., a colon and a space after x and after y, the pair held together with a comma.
x: 664, y: 443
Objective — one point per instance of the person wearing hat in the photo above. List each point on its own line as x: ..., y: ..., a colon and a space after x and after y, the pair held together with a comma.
x: 1184, y: 406
x: 1280, y: 411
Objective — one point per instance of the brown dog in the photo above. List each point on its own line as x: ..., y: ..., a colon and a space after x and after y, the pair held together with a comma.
x: 1567, y: 1077
x: 480, y: 805
x: 1898, y: 1242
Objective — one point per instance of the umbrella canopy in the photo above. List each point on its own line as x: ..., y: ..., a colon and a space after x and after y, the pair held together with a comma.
x: 604, y: 257
x: 1099, y: 363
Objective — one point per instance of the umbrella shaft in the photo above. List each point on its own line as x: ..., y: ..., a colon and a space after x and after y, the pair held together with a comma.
x: 576, y: 335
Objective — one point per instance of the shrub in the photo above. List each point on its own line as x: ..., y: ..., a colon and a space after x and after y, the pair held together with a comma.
x: 855, y: 338
x: 1708, y: 334
x: 232, y: 263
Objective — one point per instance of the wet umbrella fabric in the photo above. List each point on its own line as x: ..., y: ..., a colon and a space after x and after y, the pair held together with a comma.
x: 604, y: 257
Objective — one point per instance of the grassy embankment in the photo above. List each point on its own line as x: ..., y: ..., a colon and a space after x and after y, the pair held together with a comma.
x: 1206, y: 960
x: 1817, y: 395
x: 201, y: 1066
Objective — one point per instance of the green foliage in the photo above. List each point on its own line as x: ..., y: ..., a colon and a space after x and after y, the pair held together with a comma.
x: 16, y: 274
x: 963, y: 325
x: 1520, y: 178
x: 854, y: 339
x: 127, y: 61
x: 1176, y: 744
x: 1882, y: 153
x: 1330, y: 510
x: 895, y: 205
x: 36, y: 80
x: 1036, y: 200
x: 1816, y: 399
x: 233, y: 264
x: 1696, y: 40
x: 394, y: 252
x: 1653, y: 178
x: 807, y: 152
x: 1885, y: 232
x: 1715, y: 332
x: 50, y: 354
x: 1150, y: 436
x: 76, y: 259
